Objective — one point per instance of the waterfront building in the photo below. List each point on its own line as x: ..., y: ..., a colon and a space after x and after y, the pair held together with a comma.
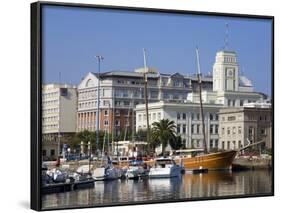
x: 187, y: 120
x: 120, y: 91
x: 239, y: 126
x: 229, y: 87
x: 59, y: 107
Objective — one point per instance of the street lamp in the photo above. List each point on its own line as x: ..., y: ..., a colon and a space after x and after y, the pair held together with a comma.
x: 89, y: 153
x: 99, y: 58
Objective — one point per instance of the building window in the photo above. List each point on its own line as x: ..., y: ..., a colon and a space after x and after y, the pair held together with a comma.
x: 263, y: 132
x: 117, y: 112
x: 117, y: 122
x: 228, y: 144
x: 117, y: 103
x: 217, y: 117
x: 251, y: 131
x: 239, y: 130
x: 127, y: 123
x: 216, y: 129
x: 231, y: 118
x: 184, y: 142
x: 211, y: 117
x: 154, y: 116
x: 105, y: 112
x: 198, y: 143
x: 126, y: 103
x: 166, y: 95
x: 178, y: 128
x: 184, y: 128
x: 198, y: 116
x: 154, y: 94
x: 228, y: 102
x: 106, y: 122
x: 211, y: 129
x: 183, y: 116
x: 178, y: 116
x: 216, y: 143
x: 239, y: 144
x: 53, y: 152
x: 211, y: 143
x: 241, y: 102
x: 192, y: 116
x: 139, y: 117
x: 159, y: 115
x: 228, y: 130
x: 192, y: 128
x: 234, y: 144
x: 222, y: 145
x: 234, y: 130
x: 197, y: 128
x: 222, y: 131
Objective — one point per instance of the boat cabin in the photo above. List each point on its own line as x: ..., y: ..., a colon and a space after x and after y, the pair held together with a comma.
x: 162, y: 162
x: 188, y: 153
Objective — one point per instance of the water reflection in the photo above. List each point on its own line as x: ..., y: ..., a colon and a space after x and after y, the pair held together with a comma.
x: 211, y: 184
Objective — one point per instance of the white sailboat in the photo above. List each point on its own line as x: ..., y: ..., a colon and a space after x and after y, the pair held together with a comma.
x: 106, y: 171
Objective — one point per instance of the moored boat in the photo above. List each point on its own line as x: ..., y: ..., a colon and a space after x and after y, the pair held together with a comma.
x: 193, y: 159
x: 136, y: 169
x: 164, y: 168
x: 106, y: 173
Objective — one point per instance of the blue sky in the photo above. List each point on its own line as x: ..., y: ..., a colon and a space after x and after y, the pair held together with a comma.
x: 73, y: 36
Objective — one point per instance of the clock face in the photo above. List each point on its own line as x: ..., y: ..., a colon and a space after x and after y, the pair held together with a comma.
x: 230, y: 72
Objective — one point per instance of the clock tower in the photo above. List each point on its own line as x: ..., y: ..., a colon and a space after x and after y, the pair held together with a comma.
x: 225, y: 72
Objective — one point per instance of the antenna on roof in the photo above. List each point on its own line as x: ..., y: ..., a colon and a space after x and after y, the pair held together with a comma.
x: 59, y: 77
x: 242, y: 70
x: 226, y: 37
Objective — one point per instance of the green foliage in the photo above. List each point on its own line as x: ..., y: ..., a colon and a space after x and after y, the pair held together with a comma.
x: 163, y: 132
x: 87, y: 136
x: 176, y: 143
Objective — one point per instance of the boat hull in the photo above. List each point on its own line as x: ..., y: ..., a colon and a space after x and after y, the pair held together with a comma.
x: 174, y: 171
x: 101, y: 174
x: 212, y: 161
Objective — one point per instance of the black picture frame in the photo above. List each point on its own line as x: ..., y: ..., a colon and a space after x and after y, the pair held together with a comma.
x: 36, y: 82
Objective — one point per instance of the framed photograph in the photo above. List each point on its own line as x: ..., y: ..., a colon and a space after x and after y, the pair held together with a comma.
x: 143, y: 105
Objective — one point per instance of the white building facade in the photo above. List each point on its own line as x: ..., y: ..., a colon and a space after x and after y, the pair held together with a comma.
x: 59, y: 108
x: 187, y: 120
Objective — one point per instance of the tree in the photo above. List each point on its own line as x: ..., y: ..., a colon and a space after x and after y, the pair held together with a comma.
x: 87, y: 136
x: 176, y: 143
x: 163, y: 132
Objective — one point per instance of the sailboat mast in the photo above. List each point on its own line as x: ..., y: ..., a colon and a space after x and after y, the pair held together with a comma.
x: 199, y: 75
x: 145, y: 73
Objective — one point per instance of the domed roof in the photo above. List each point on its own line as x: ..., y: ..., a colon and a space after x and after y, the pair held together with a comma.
x: 245, y: 82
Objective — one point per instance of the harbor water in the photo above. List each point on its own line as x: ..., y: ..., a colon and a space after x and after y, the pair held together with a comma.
x: 188, y: 186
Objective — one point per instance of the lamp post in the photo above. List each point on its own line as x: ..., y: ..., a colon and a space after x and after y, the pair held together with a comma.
x: 89, y: 153
x: 99, y: 58
x: 145, y: 73
x: 81, y: 148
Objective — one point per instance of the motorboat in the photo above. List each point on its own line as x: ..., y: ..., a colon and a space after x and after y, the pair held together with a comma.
x: 106, y: 171
x: 164, y: 168
x: 136, y: 169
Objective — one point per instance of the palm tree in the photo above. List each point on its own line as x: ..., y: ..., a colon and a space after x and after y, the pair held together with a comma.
x: 163, y: 131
